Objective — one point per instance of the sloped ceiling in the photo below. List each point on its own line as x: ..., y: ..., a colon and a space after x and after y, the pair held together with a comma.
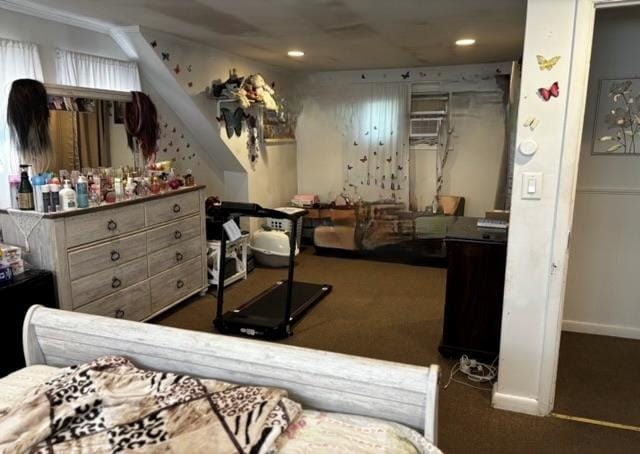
x: 335, y: 34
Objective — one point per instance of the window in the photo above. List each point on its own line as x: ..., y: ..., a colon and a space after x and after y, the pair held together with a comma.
x: 91, y: 71
x: 428, y: 113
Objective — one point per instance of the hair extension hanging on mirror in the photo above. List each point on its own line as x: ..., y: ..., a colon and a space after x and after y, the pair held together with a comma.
x: 141, y: 122
x: 28, y: 120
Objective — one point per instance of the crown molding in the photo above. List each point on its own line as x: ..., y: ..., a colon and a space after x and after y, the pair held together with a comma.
x: 64, y: 17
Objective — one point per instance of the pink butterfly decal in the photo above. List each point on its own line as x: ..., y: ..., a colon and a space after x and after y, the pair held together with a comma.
x: 547, y: 94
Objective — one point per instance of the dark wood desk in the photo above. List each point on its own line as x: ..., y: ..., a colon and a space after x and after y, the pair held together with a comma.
x: 476, y: 260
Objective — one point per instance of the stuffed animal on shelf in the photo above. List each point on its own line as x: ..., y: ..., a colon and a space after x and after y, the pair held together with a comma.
x: 257, y: 90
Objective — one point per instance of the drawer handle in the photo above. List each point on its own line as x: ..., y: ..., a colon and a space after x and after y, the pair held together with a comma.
x: 177, y: 234
x: 179, y: 257
x: 180, y: 283
x: 115, y: 282
x: 119, y: 313
x: 112, y: 225
x: 176, y: 208
x: 115, y: 256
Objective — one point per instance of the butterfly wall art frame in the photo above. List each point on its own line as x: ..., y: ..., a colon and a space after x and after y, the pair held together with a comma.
x: 616, y: 129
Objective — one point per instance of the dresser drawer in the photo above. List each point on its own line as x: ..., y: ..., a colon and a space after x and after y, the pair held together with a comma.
x: 133, y: 303
x: 176, y: 283
x: 87, y: 228
x: 109, y: 281
x: 108, y: 255
x: 170, y: 208
x: 169, y: 235
x: 175, y: 255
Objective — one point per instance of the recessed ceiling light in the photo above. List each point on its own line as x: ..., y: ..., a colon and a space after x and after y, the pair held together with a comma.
x: 466, y: 42
x: 295, y: 53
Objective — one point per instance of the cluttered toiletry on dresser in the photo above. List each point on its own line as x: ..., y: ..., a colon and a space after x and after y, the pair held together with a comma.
x: 123, y: 235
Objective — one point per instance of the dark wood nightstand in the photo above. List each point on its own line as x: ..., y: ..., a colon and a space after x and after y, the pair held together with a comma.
x: 29, y: 288
x: 476, y: 260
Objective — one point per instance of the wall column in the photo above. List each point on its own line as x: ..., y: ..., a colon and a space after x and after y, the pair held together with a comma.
x: 537, y: 253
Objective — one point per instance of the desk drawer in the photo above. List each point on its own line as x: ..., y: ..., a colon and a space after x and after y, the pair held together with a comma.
x: 108, y: 255
x: 91, y: 227
x: 174, y: 233
x: 176, y: 283
x: 109, y: 281
x: 133, y: 303
x: 170, y: 208
x: 175, y: 255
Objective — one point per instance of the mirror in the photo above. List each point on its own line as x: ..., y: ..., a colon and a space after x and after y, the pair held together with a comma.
x: 88, y: 133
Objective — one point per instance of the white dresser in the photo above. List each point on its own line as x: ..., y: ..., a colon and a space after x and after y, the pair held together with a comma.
x: 129, y: 260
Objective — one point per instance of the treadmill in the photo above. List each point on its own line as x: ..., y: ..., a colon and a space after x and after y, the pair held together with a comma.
x: 271, y: 314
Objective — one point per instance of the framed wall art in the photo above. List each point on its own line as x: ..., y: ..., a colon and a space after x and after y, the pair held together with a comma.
x: 616, y: 129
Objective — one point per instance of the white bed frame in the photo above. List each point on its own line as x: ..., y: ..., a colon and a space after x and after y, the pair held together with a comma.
x: 317, y: 379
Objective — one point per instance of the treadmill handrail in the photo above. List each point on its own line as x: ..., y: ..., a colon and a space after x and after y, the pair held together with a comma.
x: 231, y: 209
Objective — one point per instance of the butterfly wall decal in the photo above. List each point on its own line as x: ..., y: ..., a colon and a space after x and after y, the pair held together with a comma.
x: 406, y: 75
x: 389, y: 159
x: 548, y: 64
x: 189, y: 68
x: 154, y: 43
x: 177, y: 69
x: 190, y: 84
x: 362, y: 76
x: 349, y: 167
x: 381, y: 143
x: 355, y: 144
x: 165, y: 56
x: 363, y: 159
x: 551, y: 92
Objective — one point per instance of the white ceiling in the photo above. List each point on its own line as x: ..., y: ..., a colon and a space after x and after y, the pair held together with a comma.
x: 335, y: 34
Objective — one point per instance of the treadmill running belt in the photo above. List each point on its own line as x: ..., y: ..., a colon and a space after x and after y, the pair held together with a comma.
x: 263, y: 315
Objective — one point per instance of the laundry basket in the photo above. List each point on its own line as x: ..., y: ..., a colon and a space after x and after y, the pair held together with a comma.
x: 284, y: 225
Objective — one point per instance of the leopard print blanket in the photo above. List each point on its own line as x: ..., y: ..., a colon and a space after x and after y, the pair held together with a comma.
x: 109, y: 405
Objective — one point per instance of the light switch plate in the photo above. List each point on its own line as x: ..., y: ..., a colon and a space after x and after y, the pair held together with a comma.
x: 531, y: 186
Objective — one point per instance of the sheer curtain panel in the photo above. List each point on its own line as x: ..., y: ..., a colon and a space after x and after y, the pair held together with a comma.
x: 91, y: 71
x: 18, y: 60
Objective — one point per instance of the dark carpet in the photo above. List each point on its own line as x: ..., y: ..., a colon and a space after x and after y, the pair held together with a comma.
x: 599, y: 378
x: 394, y: 312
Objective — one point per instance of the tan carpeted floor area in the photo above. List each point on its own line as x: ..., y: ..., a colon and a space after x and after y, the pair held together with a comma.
x: 394, y: 312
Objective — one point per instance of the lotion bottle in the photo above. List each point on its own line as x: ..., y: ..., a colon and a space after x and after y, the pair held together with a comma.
x: 68, y: 197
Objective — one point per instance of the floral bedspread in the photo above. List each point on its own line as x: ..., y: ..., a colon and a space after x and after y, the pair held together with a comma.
x: 109, y: 405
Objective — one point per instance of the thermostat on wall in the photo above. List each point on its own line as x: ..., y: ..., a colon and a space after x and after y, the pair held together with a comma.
x: 528, y: 147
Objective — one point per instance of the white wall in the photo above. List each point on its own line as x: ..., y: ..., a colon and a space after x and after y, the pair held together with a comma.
x: 272, y: 180
x: 477, y: 143
x: 48, y: 35
x: 602, y: 284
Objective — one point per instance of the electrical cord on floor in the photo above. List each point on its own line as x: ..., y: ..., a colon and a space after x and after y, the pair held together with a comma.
x: 475, y: 371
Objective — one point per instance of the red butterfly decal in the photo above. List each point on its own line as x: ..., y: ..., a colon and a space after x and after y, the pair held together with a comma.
x: 177, y: 69
x: 553, y: 91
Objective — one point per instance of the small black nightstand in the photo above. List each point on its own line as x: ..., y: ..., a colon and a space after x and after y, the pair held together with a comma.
x: 29, y: 288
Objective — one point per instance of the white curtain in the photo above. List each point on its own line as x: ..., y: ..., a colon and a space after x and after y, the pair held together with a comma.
x: 91, y: 71
x: 18, y: 60
x: 373, y: 119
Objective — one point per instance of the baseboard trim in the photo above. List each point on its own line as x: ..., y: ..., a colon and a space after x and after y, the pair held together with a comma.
x: 600, y: 329
x: 515, y: 403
